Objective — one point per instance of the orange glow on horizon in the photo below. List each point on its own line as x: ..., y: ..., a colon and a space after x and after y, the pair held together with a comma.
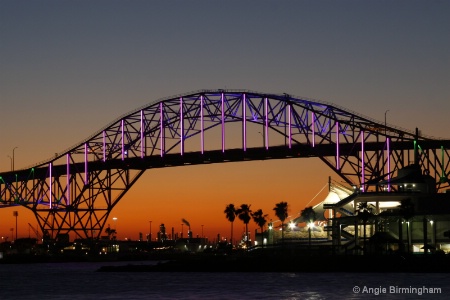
x: 200, y: 194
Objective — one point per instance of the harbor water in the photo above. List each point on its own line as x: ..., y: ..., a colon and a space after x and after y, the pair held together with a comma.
x: 81, y: 281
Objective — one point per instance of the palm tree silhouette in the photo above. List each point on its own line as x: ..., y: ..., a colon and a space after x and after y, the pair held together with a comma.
x: 230, y: 213
x: 110, y: 232
x: 244, y: 214
x: 281, y: 211
x: 309, y: 215
x: 260, y: 219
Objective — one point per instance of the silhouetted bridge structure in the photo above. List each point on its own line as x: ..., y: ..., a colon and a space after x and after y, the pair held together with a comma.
x: 76, y: 190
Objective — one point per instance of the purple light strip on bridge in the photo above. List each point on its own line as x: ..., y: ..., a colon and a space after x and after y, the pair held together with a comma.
x: 266, y: 127
x: 202, y: 129
x: 161, y: 128
x: 289, y: 124
x: 181, y: 127
x: 123, y: 143
x: 313, y: 129
x: 68, y: 179
x: 142, y: 133
x: 223, y: 123
x: 244, y: 125
x: 50, y: 197
x: 388, y: 145
x: 86, y: 174
x: 363, y: 175
x: 338, y: 162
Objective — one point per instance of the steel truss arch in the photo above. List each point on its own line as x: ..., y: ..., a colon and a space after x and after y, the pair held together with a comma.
x: 77, y: 189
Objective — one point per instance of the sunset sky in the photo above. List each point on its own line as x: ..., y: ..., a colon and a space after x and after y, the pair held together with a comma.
x: 68, y: 68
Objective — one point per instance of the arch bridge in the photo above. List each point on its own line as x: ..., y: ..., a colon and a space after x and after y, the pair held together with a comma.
x: 76, y: 190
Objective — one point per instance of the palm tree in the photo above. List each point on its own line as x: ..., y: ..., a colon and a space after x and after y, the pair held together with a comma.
x: 364, y: 213
x: 260, y: 219
x: 244, y: 214
x: 309, y: 215
x: 110, y: 232
x: 281, y: 211
x: 230, y: 213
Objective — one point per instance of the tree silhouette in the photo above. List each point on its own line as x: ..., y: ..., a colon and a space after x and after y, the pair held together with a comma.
x: 244, y: 214
x: 110, y: 232
x: 309, y: 215
x: 260, y: 219
x: 230, y: 214
x: 281, y: 211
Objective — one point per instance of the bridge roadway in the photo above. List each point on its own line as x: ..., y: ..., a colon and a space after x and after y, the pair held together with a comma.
x: 216, y: 156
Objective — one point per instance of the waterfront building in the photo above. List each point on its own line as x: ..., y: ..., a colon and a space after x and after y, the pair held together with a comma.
x: 403, y: 214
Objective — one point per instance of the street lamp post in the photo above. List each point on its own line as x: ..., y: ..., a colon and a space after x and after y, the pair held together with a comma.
x: 385, y: 123
x: 150, y: 234
x: 182, y: 230
x: 16, y: 214
x: 115, y: 225
x: 13, y: 160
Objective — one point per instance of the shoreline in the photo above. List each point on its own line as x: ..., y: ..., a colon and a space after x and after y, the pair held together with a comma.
x: 261, y: 260
x: 297, y: 263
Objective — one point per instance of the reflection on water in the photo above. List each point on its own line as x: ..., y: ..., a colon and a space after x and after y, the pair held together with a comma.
x: 80, y: 281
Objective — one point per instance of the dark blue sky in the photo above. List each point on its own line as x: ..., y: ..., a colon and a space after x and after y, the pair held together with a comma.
x: 73, y: 66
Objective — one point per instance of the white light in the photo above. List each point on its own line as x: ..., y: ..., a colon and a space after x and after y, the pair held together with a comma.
x: 291, y: 225
x: 310, y: 225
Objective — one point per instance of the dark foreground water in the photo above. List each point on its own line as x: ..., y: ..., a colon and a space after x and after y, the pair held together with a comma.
x: 80, y: 281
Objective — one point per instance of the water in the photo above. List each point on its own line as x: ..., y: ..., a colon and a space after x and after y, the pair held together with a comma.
x: 80, y: 281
